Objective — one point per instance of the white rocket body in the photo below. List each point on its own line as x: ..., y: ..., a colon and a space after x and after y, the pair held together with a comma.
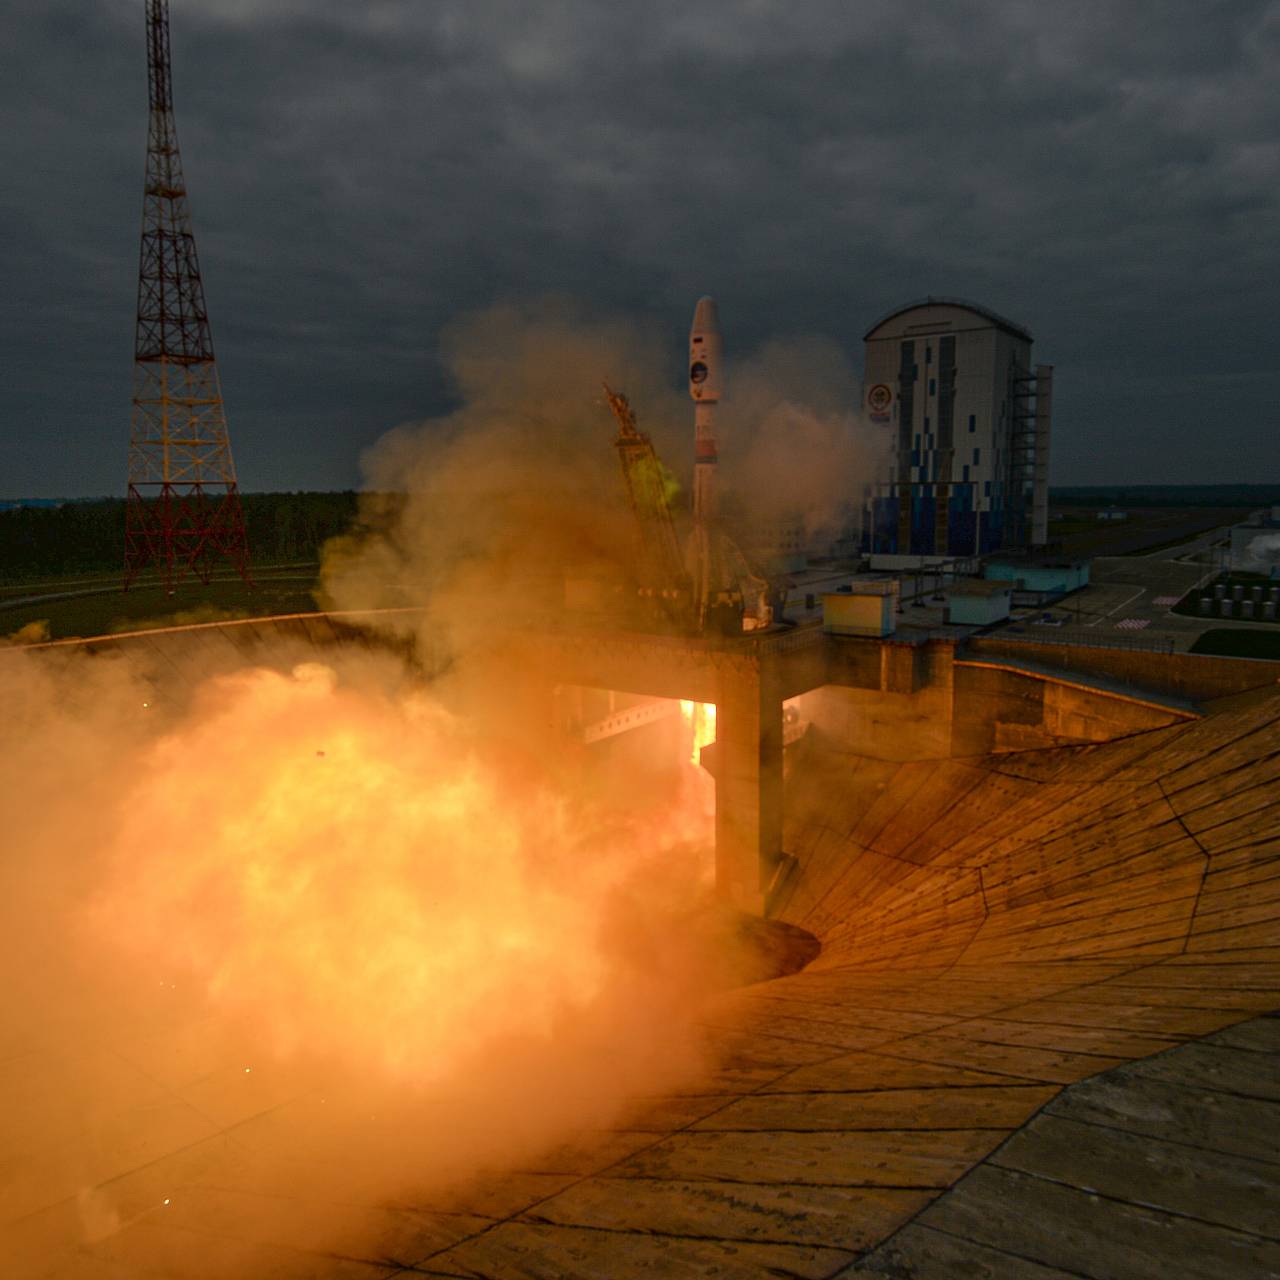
x: 705, y: 382
x: 706, y: 360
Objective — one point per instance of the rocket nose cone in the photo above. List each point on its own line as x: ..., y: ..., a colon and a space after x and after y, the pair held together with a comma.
x: 706, y: 314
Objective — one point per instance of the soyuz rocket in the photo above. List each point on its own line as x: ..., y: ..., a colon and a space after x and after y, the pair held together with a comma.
x: 706, y: 357
x: 705, y: 382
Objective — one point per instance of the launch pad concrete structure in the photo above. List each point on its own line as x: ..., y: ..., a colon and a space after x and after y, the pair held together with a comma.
x: 909, y: 697
x: 1037, y: 1041
x: 914, y: 696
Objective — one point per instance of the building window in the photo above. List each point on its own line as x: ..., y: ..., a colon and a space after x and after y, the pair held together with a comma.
x: 933, y: 386
x: 966, y: 472
x: 928, y: 355
x: 926, y: 422
x: 973, y: 422
x: 977, y: 456
x: 986, y: 488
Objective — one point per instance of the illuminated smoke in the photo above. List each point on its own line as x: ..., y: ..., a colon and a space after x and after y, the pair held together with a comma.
x: 388, y: 908
x: 438, y: 956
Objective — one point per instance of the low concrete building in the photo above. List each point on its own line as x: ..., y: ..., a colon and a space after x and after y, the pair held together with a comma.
x: 869, y: 609
x: 978, y: 602
x: 1045, y: 577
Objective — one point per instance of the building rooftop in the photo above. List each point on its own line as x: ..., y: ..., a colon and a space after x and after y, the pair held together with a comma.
x: 940, y: 301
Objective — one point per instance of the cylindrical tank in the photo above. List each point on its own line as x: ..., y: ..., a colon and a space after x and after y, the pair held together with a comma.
x: 1257, y: 594
x: 1269, y: 611
x: 1275, y: 595
x: 1246, y: 608
x: 1219, y: 590
x: 1206, y: 606
x: 1237, y: 592
x: 1225, y: 606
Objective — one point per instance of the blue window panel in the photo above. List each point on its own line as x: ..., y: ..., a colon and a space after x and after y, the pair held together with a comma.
x: 977, y: 456
x: 963, y: 527
x: 922, y: 522
x: 928, y: 355
x: 915, y: 457
x: 933, y: 386
x: 926, y: 424
x: 966, y: 473
x: 986, y: 488
x: 973, y: 422
x: 917, y: 439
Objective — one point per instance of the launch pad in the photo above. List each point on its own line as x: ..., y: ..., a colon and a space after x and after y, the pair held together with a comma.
x: 996, y: 926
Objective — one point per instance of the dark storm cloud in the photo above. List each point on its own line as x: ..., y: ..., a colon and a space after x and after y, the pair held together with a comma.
x: 360, y: 174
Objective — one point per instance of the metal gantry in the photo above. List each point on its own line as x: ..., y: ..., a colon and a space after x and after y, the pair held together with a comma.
x: 648, y: 486
x: 183, y: 511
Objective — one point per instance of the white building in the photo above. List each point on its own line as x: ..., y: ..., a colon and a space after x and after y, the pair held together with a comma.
x: 970, y: 422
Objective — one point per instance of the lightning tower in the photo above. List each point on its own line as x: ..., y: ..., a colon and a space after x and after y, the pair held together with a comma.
x: 183, y: 511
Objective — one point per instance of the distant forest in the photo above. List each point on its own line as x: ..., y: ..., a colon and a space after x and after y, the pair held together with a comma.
x: 74, y: 537
x: 40, y: 541
x: 1167, y: 495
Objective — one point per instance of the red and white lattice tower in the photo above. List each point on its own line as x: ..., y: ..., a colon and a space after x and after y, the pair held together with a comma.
x: 183, y: 511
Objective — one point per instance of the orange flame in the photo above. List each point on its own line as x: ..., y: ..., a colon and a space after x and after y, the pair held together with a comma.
x: 701, y: 718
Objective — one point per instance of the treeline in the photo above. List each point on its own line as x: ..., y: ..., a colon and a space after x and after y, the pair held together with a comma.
x: 1167, y: 495
x: 89, y: 536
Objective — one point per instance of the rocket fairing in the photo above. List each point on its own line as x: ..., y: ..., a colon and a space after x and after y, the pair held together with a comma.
x: 705, y: 353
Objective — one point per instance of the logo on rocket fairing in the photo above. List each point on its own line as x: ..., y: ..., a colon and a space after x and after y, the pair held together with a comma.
x: 698, y: 373
x: 879, y: 398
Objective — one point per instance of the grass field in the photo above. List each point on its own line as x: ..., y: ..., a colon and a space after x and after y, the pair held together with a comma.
x: 92, y: 605
x: 1077, y: 531
x: 1239, y: 643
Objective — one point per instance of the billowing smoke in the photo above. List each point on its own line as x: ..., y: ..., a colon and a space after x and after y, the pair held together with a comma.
x: 519, y: 486
x: 340, y: 942
x: 793, y: 444
x: 1262, y: 553
x: 350, y: 927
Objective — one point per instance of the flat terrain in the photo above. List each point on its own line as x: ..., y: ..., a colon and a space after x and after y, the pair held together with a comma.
x: 88, y: 604
x: 1078, y: 533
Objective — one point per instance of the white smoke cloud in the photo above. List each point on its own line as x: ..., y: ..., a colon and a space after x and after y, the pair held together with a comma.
x: 1262, y: 553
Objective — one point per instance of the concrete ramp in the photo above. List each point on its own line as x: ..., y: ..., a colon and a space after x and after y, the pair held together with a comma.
x: 1106, y: 852
x: 1162, y: 1168
x: 993, y: 931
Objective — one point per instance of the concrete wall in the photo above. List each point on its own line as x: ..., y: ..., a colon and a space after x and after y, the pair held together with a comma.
x: 881, y: 726
x: 1185, y: 675
x: 926, y: 704
x: 999, y: 710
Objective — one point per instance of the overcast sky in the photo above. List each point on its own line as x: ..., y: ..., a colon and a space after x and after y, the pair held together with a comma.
x: 361, y: 173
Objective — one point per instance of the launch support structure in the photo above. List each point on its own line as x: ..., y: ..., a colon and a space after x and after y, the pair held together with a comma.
x: 183, y: 511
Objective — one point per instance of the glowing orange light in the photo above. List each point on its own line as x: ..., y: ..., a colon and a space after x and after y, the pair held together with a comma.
x: 414, y: 897
x: 701, y: 718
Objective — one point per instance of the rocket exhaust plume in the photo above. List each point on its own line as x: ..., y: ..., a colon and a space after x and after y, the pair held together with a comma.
x: 346, y: 945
